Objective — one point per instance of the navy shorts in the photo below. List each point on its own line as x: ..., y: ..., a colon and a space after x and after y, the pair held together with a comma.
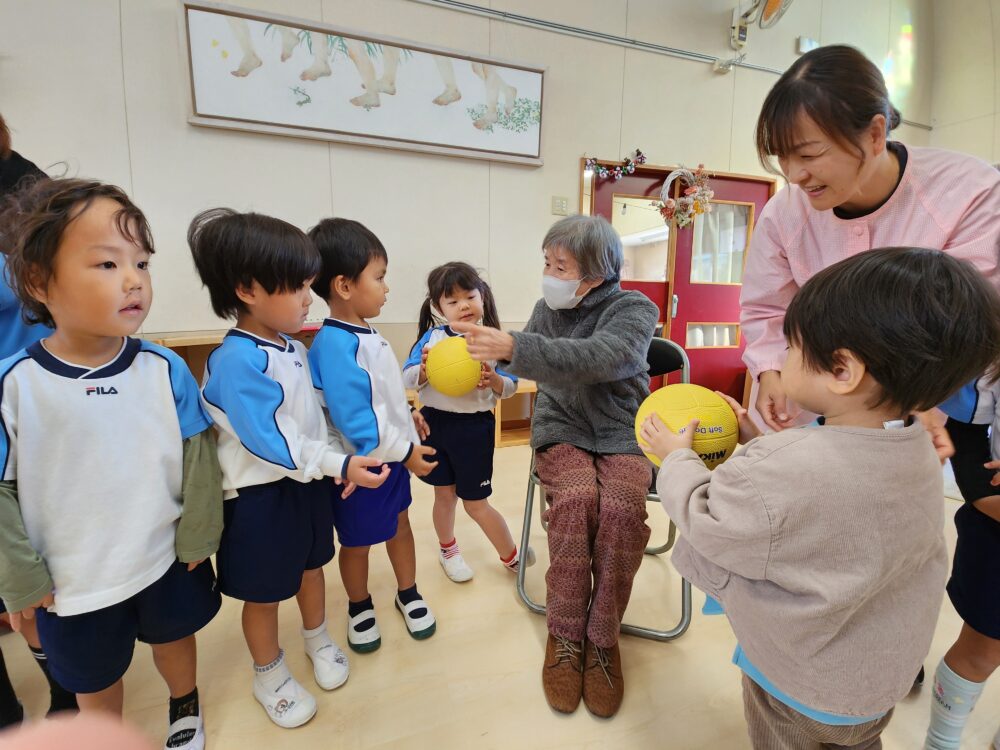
x: 371, y: 516
x: 973, y: 587
x: 464, y: 445
x: 90, y: 652
x: 273, y: 533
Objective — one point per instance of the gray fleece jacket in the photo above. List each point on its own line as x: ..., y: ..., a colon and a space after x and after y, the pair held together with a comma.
x: 590, y: 366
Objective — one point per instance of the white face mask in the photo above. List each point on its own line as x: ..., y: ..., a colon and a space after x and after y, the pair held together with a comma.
x: 560, y: 294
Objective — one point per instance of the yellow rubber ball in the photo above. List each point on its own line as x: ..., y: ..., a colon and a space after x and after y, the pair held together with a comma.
x: 718, y: 431
x: 450, y: 369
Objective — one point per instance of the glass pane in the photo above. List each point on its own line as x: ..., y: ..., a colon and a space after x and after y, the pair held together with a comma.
x: 645, y: 237
x: 704, y: 335
x: 719, y: 244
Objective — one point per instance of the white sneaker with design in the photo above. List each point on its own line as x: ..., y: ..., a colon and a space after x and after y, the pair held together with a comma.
x: 527, y: 555
x: 363, y: 641
x: 187, y: 733
x: 330, y: 666
x: 419, y: 627
x: 289, y: 706
x: 455, y: 567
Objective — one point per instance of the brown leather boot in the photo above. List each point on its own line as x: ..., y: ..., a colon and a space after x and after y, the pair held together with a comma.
x: 562, y: 673
x: 603, y: 686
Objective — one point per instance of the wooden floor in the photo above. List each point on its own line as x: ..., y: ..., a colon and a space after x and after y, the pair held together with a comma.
x: 476, y: 683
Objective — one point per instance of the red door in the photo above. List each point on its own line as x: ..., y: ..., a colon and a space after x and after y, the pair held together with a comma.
x: 699, y: 301
x: 706, y: 278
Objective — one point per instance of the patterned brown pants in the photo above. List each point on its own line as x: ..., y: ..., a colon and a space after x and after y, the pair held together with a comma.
x: 597, y: 534
x: 774, y: 726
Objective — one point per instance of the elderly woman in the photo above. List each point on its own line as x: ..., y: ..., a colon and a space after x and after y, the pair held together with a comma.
x: 585, y: 345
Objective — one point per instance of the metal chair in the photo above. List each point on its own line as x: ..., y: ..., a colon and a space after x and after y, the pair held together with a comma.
x: 664, y: 357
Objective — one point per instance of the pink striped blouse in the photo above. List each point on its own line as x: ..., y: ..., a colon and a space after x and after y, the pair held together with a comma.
x: 944, y: 200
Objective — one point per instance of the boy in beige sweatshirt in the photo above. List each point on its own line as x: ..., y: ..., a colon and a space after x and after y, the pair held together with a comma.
x: 825, y: 545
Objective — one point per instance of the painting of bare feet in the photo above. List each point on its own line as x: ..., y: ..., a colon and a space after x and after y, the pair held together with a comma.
x: 273, y: 74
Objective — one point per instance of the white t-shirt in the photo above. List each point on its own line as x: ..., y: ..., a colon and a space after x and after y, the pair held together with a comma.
x: 97, y: 455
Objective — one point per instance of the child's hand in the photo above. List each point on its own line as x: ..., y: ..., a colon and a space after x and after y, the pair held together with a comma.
x: 28, y: 613
x: 418, y: 464
x: 995, y: 466
x: 933, y: 421
x: 349, y: 488
x: 488, y: 378
x: 423, y: 429
x: 357, y: 472
x: 661, y: 440
x: 748, y: 430
x: 422, y: 378
x: 195, y: 564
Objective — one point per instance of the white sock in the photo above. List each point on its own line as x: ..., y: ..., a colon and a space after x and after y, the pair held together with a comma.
x: 272, y: 676
x: 317, y: 639
x: 952, y: 702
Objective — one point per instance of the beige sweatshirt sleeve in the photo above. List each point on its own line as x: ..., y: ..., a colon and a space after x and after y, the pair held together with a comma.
x: 720, y: 514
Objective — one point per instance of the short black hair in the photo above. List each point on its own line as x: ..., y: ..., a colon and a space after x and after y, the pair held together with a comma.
x: 33, y: 221
x: 233, y: 250
x: 346, y: 247
x: 923, y: 322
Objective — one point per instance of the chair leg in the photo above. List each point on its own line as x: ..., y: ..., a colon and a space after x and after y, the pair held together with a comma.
x: 529, y: 501
x: 671, y: 536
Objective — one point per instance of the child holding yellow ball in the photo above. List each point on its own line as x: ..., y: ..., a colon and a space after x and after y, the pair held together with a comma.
x: 462, y: 427
x: 825, y: 545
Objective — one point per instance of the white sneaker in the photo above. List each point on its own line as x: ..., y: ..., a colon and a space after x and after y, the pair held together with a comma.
x: 455, y: 567
x: 419, y: 627
x: 527, y: 555
x: 330, y: 666
x: 363, y: 641
x: 289, y: 706
x: 188, y: 732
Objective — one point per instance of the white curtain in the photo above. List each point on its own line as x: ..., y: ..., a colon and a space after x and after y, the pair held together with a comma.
x: 720, y: 240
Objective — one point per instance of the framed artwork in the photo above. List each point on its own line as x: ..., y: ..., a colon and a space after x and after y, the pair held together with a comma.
x: 269, y: 73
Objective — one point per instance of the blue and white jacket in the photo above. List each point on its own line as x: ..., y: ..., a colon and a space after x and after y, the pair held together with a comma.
x: 978, y: 403
x: 358, y: 377
x: 271, y: 424
x: 475, y: 401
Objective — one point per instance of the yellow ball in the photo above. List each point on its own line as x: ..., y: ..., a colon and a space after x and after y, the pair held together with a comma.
x: 718, y: 431
x: 450, y: 369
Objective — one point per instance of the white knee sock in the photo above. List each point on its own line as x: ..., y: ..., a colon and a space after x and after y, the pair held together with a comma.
x: 951, y: 703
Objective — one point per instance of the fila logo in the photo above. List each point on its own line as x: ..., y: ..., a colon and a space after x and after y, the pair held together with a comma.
x: 485, y: 484
x: 298, y: 364
x: 100, y: 390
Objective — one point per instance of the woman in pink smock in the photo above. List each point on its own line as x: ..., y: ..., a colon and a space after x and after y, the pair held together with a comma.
x: 850, y: 189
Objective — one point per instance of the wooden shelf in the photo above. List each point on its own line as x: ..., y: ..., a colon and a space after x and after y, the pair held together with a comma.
x: 516, y: 430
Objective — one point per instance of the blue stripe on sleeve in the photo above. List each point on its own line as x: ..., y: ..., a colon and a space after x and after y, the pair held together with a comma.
x: 962, y: 406
x: 237, y: 385
x: 191, y: 414
x: 416, y: 353
x: 6, y: 439
x: 505, y: 374
x: 347, y: 387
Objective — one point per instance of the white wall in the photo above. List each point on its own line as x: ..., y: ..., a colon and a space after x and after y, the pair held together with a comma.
x: 98, y: 84
x: 966, y: 105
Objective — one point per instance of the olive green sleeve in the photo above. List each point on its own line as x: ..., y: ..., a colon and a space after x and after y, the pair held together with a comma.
x: 24, y: 577
x: 200, y: 527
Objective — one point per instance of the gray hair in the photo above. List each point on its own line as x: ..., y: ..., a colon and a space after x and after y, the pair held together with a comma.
x: 592, y: 242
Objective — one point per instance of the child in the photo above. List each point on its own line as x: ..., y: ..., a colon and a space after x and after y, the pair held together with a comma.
x: 110, y: 496
x: 962, y: 673
x: 586, y: 345
x: 274, y: 448
x: 462, y: 428
x: 825, y: 545
x: 358, y: 375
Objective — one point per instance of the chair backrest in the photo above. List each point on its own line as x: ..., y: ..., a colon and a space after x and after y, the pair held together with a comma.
x: 665, y: 357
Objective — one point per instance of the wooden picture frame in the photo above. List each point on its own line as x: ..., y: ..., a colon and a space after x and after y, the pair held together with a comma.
x: 268, y: 73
